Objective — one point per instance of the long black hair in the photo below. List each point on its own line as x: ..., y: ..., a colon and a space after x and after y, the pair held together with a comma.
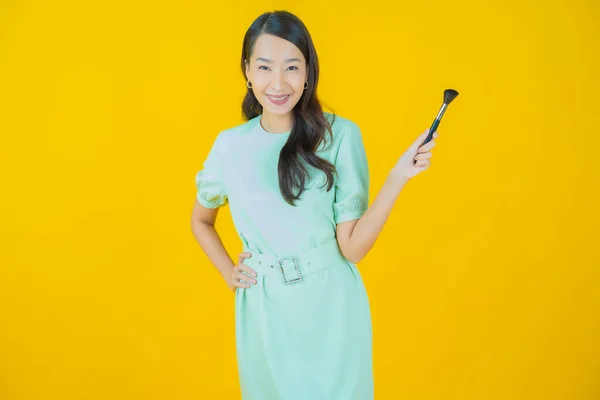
x: 310, y: 124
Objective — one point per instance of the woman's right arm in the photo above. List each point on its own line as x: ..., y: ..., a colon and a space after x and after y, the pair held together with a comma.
x: 203, y: 227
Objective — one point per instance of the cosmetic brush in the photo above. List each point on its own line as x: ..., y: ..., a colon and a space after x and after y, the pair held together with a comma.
x: 449, y: 95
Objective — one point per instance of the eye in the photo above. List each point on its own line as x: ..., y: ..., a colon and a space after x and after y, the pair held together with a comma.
x: 264, y: 67
x: 293, y: 66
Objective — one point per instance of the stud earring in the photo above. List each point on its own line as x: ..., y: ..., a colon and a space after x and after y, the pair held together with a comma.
x: 249, y: 85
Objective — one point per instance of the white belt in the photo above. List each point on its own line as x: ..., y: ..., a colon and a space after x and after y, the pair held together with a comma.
x: 292, y: 268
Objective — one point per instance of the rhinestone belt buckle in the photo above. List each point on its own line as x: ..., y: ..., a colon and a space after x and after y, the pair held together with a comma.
x: 283, y: 278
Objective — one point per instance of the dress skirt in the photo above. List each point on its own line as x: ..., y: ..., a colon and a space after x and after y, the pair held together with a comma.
x: 303, y: 331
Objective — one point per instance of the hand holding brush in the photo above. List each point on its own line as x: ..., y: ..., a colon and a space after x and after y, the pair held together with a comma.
x: 418, y: 156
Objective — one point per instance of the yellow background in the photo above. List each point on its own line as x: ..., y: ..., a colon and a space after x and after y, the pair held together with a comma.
x: 484, y: 283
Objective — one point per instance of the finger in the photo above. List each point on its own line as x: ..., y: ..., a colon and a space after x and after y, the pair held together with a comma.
x: 239, y: 284
x: 243, y: 255
x: 427, y: 147
x: 423, y: 136
x: 247, y: 269
x: 423, y: 163
x: 419, y: 140
x: 423, y: 156
x: 245, y: 278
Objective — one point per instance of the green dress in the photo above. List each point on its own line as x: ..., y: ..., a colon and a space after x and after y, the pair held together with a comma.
x: 305, y: 338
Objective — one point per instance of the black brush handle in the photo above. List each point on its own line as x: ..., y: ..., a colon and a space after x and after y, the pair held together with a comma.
x: 430, y: 134
x: 432, y: 130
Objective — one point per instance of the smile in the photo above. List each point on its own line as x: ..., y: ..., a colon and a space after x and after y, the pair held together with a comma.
x: 278, y: 100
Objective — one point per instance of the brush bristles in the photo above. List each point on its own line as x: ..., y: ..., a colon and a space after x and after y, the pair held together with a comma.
x: 449, y: 95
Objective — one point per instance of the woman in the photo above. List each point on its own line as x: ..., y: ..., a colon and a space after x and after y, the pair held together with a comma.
x: 296, y: 180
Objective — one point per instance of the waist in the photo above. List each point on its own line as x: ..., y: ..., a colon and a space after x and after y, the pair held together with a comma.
x: 292, y: 268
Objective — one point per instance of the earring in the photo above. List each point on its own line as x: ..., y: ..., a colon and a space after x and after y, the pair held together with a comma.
x: 306, y: 85
x: 249, y: 85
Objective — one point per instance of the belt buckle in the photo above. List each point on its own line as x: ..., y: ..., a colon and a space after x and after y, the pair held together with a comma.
x: 283, y: 278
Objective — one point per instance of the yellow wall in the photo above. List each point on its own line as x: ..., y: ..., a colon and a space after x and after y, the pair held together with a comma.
x: 483, y: 285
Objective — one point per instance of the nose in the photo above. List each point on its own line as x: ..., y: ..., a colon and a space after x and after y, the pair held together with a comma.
x: 278, y: 80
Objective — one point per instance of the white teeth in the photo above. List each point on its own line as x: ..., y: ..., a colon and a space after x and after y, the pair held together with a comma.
x: 278, y: 98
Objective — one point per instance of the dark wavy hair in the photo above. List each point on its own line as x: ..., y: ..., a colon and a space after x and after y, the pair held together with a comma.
x: 310, y: 124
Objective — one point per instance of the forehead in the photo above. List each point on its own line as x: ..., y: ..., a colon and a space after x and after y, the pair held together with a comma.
x: 275, y: 48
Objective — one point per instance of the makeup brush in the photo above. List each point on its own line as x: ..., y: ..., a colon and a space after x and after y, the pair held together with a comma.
x: 449, y: 95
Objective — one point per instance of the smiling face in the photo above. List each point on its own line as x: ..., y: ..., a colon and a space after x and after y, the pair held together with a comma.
x: 277, y: 72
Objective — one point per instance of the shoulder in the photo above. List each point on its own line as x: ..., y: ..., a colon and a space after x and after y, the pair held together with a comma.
x: 339, y: 122
x: 343, y: 128
x: 232, y: 133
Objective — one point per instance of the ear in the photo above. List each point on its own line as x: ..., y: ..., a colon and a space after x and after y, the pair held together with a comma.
x: 247, y: 68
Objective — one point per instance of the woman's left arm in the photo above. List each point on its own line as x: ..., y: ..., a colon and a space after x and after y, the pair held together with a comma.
x: 357, y: 237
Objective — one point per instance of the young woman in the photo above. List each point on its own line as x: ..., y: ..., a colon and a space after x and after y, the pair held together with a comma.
x: 296, y: 180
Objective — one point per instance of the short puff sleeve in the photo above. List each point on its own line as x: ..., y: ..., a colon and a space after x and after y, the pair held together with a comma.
x: 209, y: 180
x: 352, y: 183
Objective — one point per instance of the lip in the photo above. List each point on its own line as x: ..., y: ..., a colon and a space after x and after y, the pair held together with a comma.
x: 278, y: 102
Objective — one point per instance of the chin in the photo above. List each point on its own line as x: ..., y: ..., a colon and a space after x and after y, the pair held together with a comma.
x: 279, y: 111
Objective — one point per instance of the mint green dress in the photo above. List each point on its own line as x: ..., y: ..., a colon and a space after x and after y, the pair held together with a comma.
x: 311, y: 340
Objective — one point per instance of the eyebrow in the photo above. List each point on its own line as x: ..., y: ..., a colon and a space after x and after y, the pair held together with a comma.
x: 270, y: 61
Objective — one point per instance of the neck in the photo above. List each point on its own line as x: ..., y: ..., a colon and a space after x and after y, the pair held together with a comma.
x: 277, y: 123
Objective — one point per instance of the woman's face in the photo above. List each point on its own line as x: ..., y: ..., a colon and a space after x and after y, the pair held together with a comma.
x: 277, y: 71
